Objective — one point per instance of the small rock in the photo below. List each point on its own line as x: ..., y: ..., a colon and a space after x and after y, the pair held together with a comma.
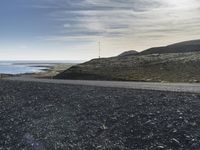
x: 160, y: 147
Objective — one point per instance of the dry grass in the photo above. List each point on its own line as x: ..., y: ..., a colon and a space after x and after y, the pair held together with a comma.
x: 171, y: 67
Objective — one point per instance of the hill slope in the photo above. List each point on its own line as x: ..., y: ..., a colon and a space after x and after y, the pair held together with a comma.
x: 187, y: 46
x: 154, y: 65
x: 192, y: 42
x: 127, y: 53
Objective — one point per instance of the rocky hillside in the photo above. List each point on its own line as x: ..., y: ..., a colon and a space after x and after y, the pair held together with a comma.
x: 182, y: 47
x: 157, y: 64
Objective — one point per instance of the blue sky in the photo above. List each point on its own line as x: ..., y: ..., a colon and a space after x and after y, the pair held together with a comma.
x: 71, y: 29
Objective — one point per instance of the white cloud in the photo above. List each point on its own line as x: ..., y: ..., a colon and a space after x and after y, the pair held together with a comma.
x: 136, y: 20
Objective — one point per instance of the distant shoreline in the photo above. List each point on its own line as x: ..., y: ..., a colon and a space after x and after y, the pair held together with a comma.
x: 45, y: 70
x: 50, y: 71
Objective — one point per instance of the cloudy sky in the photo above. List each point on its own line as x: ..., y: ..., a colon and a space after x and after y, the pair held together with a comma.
x: 71, y: 29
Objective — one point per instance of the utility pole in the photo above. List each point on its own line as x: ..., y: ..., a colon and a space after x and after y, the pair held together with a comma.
x: 99, y: 49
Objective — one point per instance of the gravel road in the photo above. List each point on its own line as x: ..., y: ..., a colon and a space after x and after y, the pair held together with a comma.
x: 42, y: 116
x: 174, y: 87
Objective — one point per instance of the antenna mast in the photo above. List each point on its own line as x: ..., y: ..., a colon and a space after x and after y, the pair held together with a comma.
x: 99, y: 49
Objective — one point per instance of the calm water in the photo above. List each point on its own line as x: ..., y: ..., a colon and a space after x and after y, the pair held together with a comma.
x: 18, y: 67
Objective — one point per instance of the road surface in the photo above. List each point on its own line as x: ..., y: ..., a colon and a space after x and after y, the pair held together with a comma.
x: 174, y: 87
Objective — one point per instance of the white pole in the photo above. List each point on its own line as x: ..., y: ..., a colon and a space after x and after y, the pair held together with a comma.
x: 99, y: 49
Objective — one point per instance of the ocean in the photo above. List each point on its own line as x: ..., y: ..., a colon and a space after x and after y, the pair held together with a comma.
x: 20, y: 67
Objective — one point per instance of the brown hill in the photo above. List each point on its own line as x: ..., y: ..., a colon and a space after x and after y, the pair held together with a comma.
x: 162, y: 65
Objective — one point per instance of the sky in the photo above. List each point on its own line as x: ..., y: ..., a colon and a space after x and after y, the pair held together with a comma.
x: 71, y: 29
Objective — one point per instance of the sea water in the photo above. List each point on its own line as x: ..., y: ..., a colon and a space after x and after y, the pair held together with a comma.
x: 20, y: 67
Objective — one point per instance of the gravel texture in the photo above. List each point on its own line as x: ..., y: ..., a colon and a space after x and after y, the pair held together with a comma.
x: 41, y: 116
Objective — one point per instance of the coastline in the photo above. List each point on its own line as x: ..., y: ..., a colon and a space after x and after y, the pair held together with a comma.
x: 50, y: 70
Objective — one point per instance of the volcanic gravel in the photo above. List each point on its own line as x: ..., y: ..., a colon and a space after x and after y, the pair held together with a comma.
x: 42, y: 116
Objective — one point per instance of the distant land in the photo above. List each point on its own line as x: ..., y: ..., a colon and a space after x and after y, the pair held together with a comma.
x: 177, y: 62
x: 35, y: 68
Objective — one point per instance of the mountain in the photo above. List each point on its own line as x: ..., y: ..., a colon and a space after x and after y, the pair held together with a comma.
x: 128, y: 53
x: 193, y: 42
x: 174, y: 63
x: 182, y: 47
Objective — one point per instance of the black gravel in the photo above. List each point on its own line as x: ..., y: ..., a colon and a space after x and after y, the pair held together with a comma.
x: 40, y: 116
